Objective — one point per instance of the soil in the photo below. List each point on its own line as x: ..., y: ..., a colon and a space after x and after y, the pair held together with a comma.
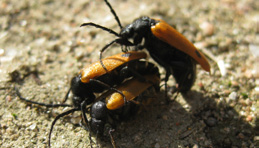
x: 42, y: 46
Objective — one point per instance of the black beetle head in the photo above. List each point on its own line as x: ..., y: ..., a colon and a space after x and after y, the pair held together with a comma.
x: 98, y: 114
x: 81, y: 91
x: 137, y: 30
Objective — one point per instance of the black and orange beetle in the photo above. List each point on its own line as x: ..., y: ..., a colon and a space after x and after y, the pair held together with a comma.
x: 166, y: 46
x: 94, y: 79
x: 110, y: 106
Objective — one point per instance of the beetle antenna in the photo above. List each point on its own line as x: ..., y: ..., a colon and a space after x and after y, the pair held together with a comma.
x: 56, y: 119
x: 101, y: 53
x: 120, y: 41
x: 67, y: 94
x: 39, y: 103
x: 101, y: 27
x: 114, y: 13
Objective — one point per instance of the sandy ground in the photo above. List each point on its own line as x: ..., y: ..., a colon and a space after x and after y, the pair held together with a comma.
x: 42, y: 47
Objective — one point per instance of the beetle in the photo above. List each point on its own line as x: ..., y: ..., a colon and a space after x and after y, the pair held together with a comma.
x: 93, y: 79
x: 166, y: 46
x: 110, y: 105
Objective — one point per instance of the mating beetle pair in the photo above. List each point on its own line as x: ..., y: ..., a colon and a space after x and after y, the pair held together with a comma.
x: 165, y: 45
x: 127, y: 78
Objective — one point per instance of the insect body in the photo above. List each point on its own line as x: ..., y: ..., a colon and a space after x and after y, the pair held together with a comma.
x: 166, y: 46
x: 111, y: 105
x: 93, y: 79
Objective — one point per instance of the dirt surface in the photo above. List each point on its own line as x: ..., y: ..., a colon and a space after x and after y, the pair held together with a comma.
x: 42, y: 47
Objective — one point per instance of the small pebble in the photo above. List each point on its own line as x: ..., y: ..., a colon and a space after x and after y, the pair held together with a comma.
x: 195, y: 146
x: 137, y: 138
x: 2, y: 52
x: 249, y: 118
x: 201, y: 45
x: 23, y: 23
x: 254, y: 49
x: 207, y: 28
x: 9, y: 131
x: 235, y: 84
x: 233, y: 96
x: 227, y: 142
x: 8, y: 98
x: 241, y: 136
x: 33, y: 126
x: 157, y: 145
x: 165, y: 117
x: 79, y: 55
x: 4, y: 126
x: 211, y: 121
x: 15, y: 136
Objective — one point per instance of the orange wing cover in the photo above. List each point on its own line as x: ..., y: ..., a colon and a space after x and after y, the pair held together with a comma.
x: 131, y: 89
x: 95, y: 70
x: 168, y: 34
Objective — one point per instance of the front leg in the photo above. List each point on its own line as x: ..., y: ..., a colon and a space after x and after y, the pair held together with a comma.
x: 108, y: 87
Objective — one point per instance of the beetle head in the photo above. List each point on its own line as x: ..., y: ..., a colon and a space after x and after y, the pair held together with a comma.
x: 137, y: 30
x: 98, y: 114
x: 81, y: 91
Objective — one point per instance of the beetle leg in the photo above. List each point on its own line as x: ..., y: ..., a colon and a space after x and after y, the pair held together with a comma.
x: 83, y: 125
x: 135, y: 74
x: 139, y: 47
x: 83, y: 110
x: 56, y: 119
x: 109, y: 87
x: 124, y: 48
x: 112, y: 139
x: 167, y: 75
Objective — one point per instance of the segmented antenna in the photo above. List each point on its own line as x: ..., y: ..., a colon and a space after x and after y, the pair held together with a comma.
x: 114, y: 13
x: 101, y: 27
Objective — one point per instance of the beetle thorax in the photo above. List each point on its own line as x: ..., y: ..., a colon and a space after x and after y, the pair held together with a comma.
x: 137, y: 30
